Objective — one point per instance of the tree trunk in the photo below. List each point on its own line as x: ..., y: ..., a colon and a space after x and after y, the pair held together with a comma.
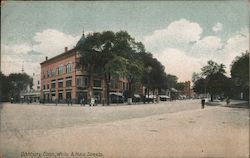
x: 157, y: 96
x: 153, y: 95
x: 148, y: 95
x: 107, y: 80
x: 145, y: 94
x: 212, y: 97
x: 130, y: 92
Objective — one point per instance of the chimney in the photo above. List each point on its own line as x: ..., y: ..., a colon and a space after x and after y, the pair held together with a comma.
x: 65, y: 49
x: 46, y: 58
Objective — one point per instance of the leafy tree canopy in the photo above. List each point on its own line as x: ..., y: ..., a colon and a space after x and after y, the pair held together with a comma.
x: 212, y: 68
x: 211, y: 80
x: 180, y: 86
x: 240, y: 70
x: 240, y: 76
x: 12, y: 85
x: 4, y: 87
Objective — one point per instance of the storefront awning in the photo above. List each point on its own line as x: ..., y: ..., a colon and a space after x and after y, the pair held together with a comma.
x: 137, y: 95
x: 164, y: 96
x: 115, y: 93
x: 173, y: 90
x: 150, y: 96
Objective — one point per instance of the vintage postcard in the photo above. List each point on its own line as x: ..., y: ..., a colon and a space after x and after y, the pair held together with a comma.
x: 124, y: 79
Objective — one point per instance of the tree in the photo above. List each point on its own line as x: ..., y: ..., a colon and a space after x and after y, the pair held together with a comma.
x: 240, y: 74
x: 107, y: 59
x: 18, y: 83
x: 200, y: 86
x: 171, y: 81
x: 218, y: 84
x: 107, y: 51
x: 195, y: 77
x: 90, y: 56
x: 154, y: 76
x: 213, y: 79
x: 4, y: 88
x: 180, y: 86
x: 212, y: 68
x: 119, y: 59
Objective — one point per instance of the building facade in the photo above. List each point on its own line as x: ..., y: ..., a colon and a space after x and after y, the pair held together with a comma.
x: 64, y: 78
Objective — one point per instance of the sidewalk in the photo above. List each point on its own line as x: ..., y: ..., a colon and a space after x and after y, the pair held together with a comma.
x: 231, y: 104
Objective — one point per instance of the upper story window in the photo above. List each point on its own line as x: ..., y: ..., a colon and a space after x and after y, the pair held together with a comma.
x: 49, y: 73
x: 82, y: 81
x: 60, y: 70
x: 113, y: 84
x: 43, y: 75
x: 53, y: 72
x: 97, y: 83
x: 69, y: 68
x: 78, y: 66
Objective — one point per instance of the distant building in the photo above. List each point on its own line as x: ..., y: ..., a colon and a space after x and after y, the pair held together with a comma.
x: 187, y: 91
x: 32, y: 94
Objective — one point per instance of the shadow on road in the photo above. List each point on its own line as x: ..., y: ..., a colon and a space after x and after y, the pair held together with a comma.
x: 233, y: 104
x: 244, y: 105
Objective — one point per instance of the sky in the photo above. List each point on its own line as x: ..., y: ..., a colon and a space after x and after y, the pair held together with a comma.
x: 182, y: 35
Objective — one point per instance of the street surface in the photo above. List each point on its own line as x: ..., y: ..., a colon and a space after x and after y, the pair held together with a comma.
x: 167, y: 129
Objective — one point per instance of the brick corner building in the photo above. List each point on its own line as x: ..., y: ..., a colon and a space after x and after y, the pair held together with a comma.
x: 63, y: 78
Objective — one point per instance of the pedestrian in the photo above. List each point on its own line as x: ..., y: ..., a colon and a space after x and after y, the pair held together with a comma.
x: 82, y: 102
x: 92, y: 102
x: 95, y: 103
x: 68, y: 101
x: 203, y: 103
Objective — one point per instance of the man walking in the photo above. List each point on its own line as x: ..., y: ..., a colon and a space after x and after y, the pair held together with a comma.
x: 202, y: 103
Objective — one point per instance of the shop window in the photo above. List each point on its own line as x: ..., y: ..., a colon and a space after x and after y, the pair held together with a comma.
x: 60, y: 83
x: 60, y: 96
x: 68, y: 83
x: 53, y: 84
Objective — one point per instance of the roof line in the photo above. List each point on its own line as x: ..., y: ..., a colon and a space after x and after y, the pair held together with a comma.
x: 59, y: 55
